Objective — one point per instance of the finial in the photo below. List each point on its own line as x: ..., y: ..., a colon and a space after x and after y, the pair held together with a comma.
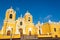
x: 49, y: 21
x: 11, y: 7
x: 21, y: 15
x: 38, y: 22
x: 59, y: 21
x: 27, y: 11
x: 42, y: 23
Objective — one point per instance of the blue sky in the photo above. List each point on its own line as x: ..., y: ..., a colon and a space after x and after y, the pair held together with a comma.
x: 42, y: 10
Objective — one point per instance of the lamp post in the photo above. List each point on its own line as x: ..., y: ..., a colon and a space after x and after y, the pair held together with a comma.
x: 11, y: 35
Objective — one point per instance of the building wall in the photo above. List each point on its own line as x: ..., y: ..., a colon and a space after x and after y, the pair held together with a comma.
x: 28, y: 28
x: 55, y: 29
x: 46, y: 28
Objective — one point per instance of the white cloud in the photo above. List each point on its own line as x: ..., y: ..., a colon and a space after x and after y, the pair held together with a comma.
x: 18, y: 9
x: 47, y: 17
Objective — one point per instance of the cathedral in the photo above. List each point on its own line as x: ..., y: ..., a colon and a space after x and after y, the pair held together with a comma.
x: 25, y: 26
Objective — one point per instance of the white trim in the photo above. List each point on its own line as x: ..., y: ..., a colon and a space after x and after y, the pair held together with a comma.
x: 30, y: 29
x: 9, y: 28
x: 50, y: 21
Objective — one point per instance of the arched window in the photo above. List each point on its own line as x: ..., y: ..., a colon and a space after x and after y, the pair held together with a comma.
x: 55, y: 29
x: 10, y: 16
x: 28, y: 18
x: 21, y: 23
x: 39, y: 32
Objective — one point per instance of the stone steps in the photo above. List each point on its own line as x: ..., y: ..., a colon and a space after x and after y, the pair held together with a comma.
x: 28, y: 37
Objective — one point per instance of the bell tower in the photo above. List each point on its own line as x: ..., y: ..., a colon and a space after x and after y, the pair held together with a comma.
x: 9, y: 22
x: 28, y: 17
x: 10, y: 14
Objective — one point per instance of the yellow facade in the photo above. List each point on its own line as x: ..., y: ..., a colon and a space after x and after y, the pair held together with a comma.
x: 46, y: 28
x: 25, y: 26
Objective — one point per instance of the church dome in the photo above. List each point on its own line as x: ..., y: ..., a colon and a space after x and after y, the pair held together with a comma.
x: 27, y: 13
x: 10, y: 9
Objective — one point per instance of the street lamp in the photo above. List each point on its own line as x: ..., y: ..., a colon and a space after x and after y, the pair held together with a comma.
x: 11, y: 34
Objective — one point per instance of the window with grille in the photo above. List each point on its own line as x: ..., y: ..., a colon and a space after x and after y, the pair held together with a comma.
x: 55, y: 29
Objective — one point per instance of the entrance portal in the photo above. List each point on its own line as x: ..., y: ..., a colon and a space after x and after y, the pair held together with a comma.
x: 30, y: 33
x: 8, y: 32
x: 56, y: 36
x: 21, y: 31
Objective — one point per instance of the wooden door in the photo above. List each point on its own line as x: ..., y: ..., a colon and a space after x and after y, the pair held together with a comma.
x: 21, y: 31
x: 30, y: 33
x: 8, y: 32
